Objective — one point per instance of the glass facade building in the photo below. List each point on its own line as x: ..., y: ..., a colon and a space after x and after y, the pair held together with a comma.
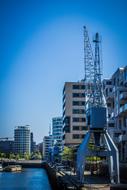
x: 22, y: 140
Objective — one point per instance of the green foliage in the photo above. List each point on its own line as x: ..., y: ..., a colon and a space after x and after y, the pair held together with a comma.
x: 36, y: 156
x: 18, y: 156
x: 93, y: 158
x: 12, y: 156
x: 68, y: 154
x: 27, y: 156
x: 2, y: 155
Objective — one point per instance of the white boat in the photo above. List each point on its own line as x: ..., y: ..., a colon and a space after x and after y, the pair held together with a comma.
x: 13, y: 168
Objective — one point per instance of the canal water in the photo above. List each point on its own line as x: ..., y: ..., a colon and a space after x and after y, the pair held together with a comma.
x: 28, y: 179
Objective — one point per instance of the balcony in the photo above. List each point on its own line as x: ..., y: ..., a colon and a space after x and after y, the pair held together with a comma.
x: 119, y: 88
x: 110, y: 96
x: 111, y: 122
x: 124, y: 137
x: 123, y: 109
x: 123, y: 97
x: 120, y: 138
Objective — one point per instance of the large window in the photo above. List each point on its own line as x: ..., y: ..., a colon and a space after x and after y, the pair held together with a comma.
x: 78, y: 119
x: 78, y: 103
x: 82, y: 87
x: 78, y: 95
x: 76, y: 136
x: 78, y: 111
x: 79, y: 128
x: 76, y: 128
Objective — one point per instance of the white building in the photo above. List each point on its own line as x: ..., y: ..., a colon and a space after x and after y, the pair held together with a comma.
x: 74, y: 121
x: 115, y: 90
x: 22, y: 140
x: 57, y: 131
x: 47, y: 145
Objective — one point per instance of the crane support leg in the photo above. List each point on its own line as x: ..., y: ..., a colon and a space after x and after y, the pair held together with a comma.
x: 81, y: 157
x: 114, y: 159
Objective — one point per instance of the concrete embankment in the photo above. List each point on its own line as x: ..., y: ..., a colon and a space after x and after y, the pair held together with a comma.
x: 51, y: 172
x: 24, y: 163
x: 65, y: 180
x: 61, y: 179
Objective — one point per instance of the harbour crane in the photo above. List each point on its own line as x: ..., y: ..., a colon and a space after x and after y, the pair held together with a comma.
x: 96, y: 114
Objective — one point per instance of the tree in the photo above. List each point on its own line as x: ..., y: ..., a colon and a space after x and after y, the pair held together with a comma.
x: 2, y: 155
x: 12, y: 156
x: 27, y: 156
x: 36, y: 156
x: 68, y: 154
x: 18, y: 156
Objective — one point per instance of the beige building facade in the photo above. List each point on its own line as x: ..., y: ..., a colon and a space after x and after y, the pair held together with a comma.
x: 74, y: 120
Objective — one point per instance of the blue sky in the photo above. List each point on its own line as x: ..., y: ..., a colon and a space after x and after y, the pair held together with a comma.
x: 41, y: 47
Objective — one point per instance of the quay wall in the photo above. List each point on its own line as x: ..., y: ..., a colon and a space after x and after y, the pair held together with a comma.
x: 51, y: 172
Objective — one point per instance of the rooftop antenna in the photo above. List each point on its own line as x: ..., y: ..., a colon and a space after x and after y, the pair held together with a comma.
x: 49, y: 129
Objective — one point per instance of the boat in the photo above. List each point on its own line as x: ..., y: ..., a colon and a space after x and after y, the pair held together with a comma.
x: 13, y: 168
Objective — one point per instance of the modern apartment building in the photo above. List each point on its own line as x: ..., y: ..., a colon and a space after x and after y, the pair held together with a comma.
x: 6, y: 146
x: 74, y: 121
x: 22, y: 140
x: 47, y: 146
x: 57, y: 131
x: 115, y: 90
x: 39, y: 147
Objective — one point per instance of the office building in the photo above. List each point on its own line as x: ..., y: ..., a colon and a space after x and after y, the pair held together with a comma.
x: 115, y: 90
x: 39, y: 148
x: 22, y: 140
x: 47, y: 146
x: 74, y: 121
x: 57, y: 131
x: 6, y: 145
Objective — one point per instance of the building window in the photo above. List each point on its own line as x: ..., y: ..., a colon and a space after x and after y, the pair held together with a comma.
x: 111, y: 125
x: 76, y: 136
x: 83, y: 128
x: 78, y: 119
x: 79, y: 128
x: 78, y: 111
x: 108, y: 82
x: 78, y: 103
x: 78, y: 95
x: 82, y: 87
x: 76, y: 128
x: 67, y: 129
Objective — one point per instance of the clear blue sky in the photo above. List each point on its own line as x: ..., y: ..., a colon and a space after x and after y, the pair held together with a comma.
x: 41, y: 47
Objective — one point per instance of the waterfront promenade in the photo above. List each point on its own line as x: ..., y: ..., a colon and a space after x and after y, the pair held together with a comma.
x: 62, y: 177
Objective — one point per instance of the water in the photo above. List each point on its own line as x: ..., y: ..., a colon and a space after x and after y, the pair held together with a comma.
x: 28, y: 179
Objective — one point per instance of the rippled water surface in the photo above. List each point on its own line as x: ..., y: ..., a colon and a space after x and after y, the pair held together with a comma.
x: 28, y: 179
